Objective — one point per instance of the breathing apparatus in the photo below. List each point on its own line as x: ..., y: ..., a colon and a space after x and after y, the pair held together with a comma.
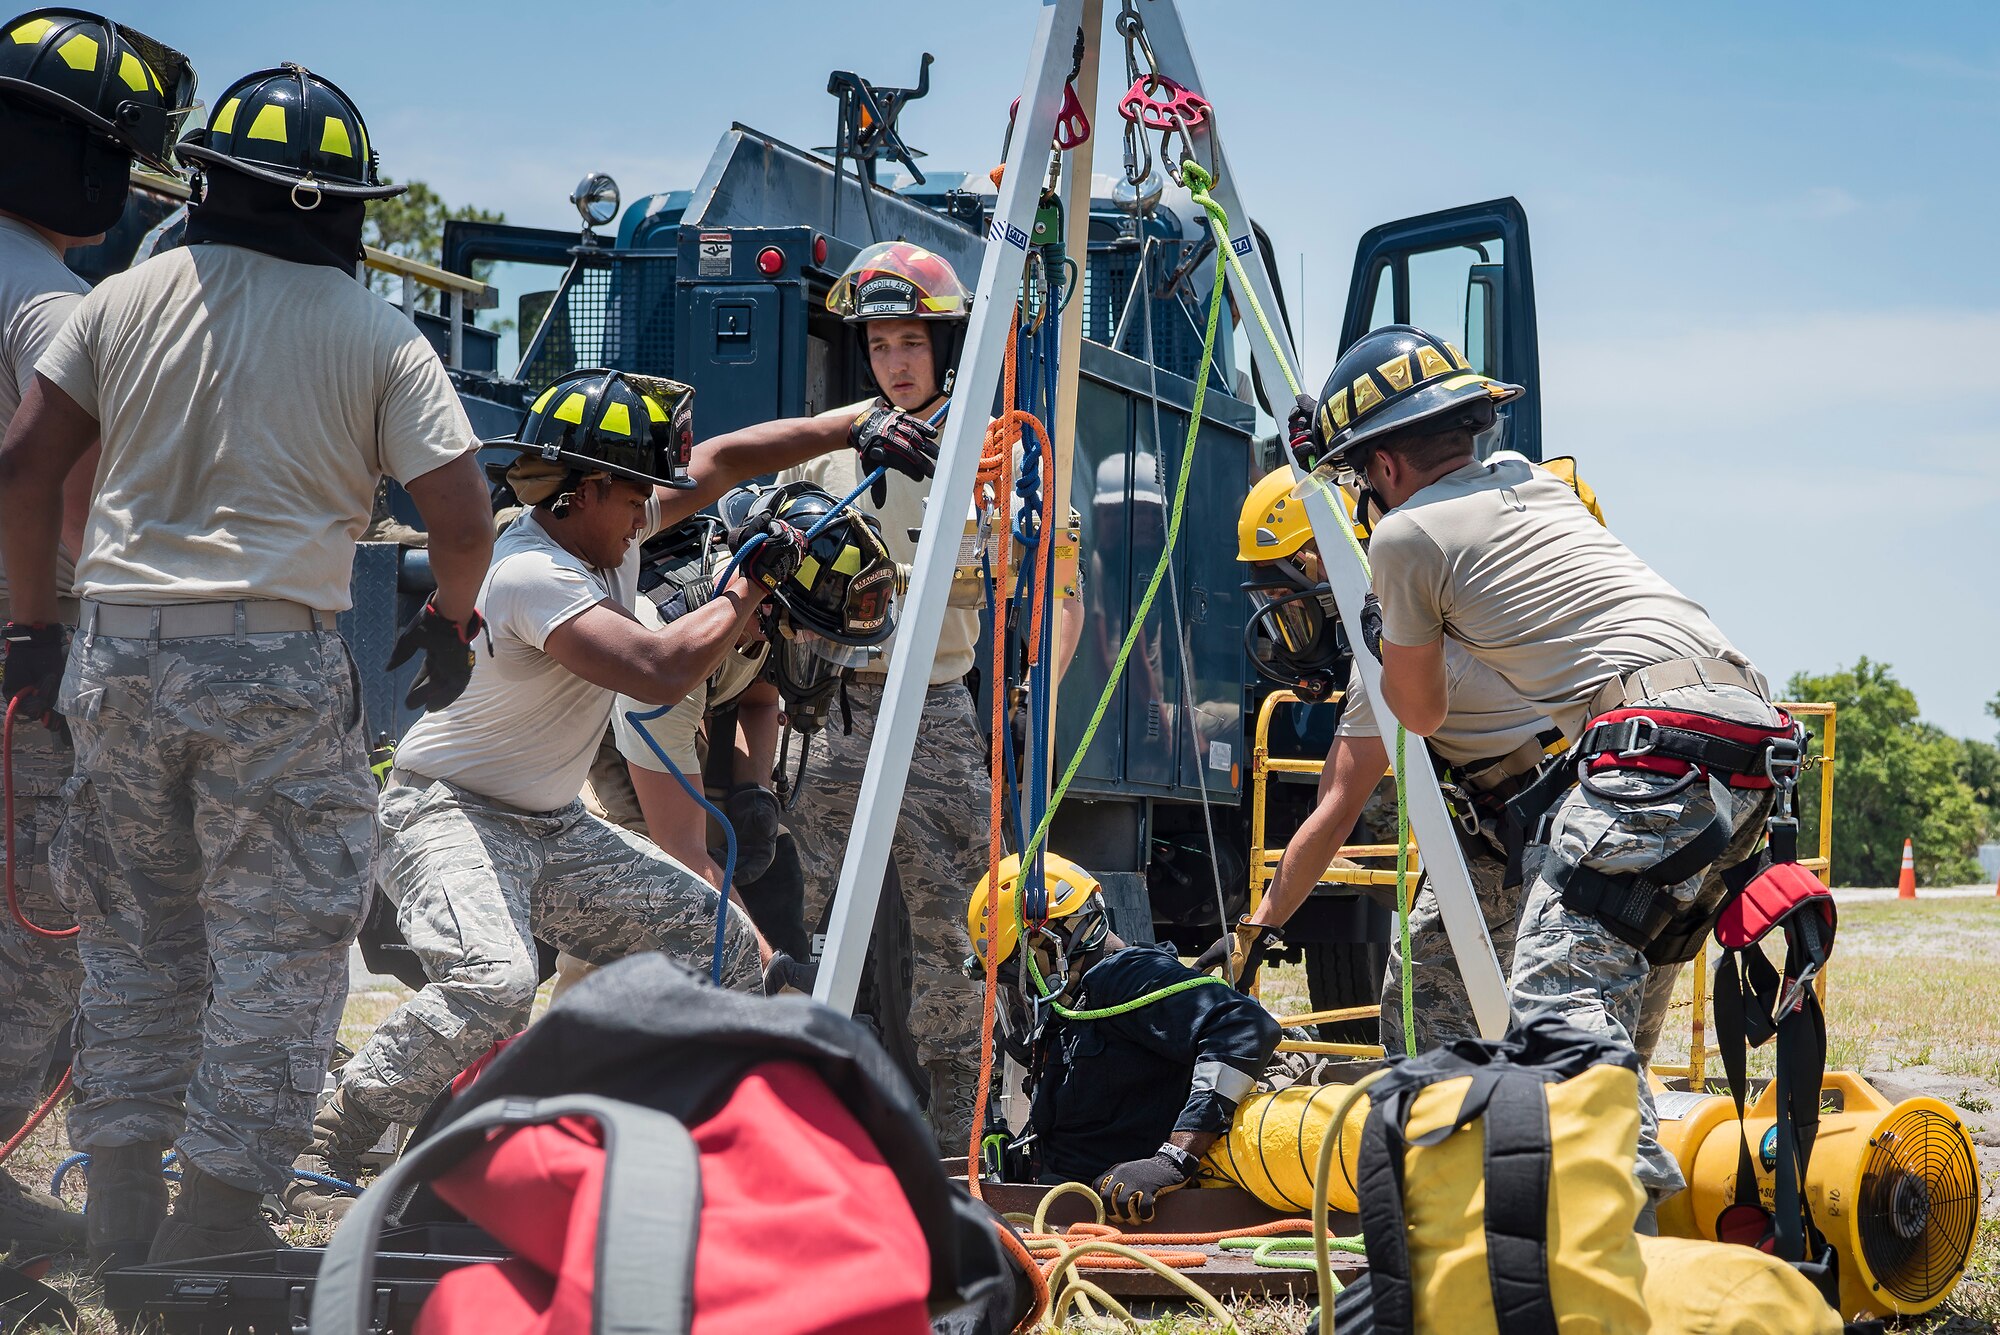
x: 1294, y: 635
x: 1063, y: 918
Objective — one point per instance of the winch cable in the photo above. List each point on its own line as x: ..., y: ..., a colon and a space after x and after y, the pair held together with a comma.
x: 1181, y: 644
x: 7, y: 781
x: 1199, y: 181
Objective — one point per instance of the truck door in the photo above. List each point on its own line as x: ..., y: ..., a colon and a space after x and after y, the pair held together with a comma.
x: 1462, y: 274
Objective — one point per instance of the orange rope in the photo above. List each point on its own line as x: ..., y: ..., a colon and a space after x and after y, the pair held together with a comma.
x: 36, y: 1117
x: 996, y: 459
x: 1011, y: 1242
x: 991, y: 487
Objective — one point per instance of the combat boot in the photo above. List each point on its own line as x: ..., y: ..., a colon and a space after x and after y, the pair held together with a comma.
x: 126, y: 1205
x: 213, y: 1218
x: 343, y: 1131
x: 34, y: 1223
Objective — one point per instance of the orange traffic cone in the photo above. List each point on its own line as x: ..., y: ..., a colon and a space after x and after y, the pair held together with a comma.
x: 1906, y: 880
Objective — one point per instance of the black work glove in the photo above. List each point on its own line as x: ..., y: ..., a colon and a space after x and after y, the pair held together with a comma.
x: 1371, y: 625
x: 753, y: 814
x: 36, y: 655
x: 785, y: 974
x: 1131, y: 1190
x: 1245, y: 948
x: 447, y: 650
x: 1299, y: 428
x: 777, y: 558
x: 885, y: 436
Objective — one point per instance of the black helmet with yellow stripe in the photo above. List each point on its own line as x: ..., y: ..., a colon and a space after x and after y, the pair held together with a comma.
x: 1395, y: 379
x: 80, y: 98
x: 291, y: 127
x: 843, y: 588
x: 636, y: 427
x: 121, y: 84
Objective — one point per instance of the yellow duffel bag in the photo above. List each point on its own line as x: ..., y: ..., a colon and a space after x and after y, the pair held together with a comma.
x: 1496, y: 1189
x: 1724, y: 1288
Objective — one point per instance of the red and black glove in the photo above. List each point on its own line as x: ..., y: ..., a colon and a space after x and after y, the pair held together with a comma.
x: 36, y: 656
x: 1299, y: 429
x: 447, y: 650
x: 889, y: 437
x: 775, y: 559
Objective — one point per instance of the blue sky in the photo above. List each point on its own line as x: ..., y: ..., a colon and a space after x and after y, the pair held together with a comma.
x: 1764, y: 236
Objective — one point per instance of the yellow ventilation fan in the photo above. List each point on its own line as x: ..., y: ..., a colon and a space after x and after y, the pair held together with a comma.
x: 1894, y: 1187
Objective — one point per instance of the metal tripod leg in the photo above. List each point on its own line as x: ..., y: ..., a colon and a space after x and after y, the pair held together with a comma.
x: 1444, y: 863
x: 923, y: 607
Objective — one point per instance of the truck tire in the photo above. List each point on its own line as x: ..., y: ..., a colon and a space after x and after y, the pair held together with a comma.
x: 1341, y: 974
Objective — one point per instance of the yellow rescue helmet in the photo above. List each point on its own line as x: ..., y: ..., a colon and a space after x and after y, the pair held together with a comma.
x: 1272, y: 524
x: 1565, y: 468
x: 1071, y: 890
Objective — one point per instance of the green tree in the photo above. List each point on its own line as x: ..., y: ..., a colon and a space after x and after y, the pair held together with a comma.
x: 412, y: 225
x: 1897, y: 778
x: 1979, y: 766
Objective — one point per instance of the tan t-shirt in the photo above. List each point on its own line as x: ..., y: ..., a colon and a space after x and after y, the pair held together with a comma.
x: 525, y: 729
x: 1502, y: 557
x: 903, y: 512
x: 248, y: 407
x: 37, y: 295
x: 1485, y: 718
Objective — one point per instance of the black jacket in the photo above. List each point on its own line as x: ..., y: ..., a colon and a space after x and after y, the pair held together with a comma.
x: 1111, y: 1090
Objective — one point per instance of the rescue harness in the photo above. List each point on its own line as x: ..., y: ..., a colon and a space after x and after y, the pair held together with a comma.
x: 1755, y: 1002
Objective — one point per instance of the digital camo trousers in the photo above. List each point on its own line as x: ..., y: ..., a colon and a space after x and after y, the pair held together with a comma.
x: 1572, y: 963
x: 940, y: 849
x: 1440, y: 1008
x: 39, y: 975
x: 216, y: 846
x: 475, y: 883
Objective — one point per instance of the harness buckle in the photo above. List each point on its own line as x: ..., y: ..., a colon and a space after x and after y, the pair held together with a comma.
x: 1635, y: 736
x: 1783, y: 759
x: 1795, y: 989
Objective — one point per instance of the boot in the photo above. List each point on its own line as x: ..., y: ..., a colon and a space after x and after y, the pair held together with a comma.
x: 34, y: 1223
x: 126, y: 1205
x: 343, y: 1131
x: 213, y: 1218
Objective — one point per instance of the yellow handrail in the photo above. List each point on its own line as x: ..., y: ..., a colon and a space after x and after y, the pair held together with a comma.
x: 1263, y: 859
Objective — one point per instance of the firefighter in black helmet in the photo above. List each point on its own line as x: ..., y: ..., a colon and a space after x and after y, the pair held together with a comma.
x: 1624, y: 868
x: 607, y: 460
x: 250, y: 394
x: 80, y: 98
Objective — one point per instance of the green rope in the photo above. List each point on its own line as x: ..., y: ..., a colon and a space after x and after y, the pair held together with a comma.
x: 1403, y: 890
x: 1200, y: 182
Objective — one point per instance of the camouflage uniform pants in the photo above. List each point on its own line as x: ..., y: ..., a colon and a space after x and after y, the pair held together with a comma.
x: 940, y: 849
x: 216, y: 847
x: 1440, y: 1008
x: 39, y: 976
x: 474, y: 883
x: 1571, y: 962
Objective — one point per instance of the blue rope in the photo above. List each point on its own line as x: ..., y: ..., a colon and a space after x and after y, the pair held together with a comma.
x: 638, y: 722
x: 1006, y: 734
x: 62, y: 1171
x: 323, y: 1180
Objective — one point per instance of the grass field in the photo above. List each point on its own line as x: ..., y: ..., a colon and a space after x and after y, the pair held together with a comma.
x: 1913, y: 1002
